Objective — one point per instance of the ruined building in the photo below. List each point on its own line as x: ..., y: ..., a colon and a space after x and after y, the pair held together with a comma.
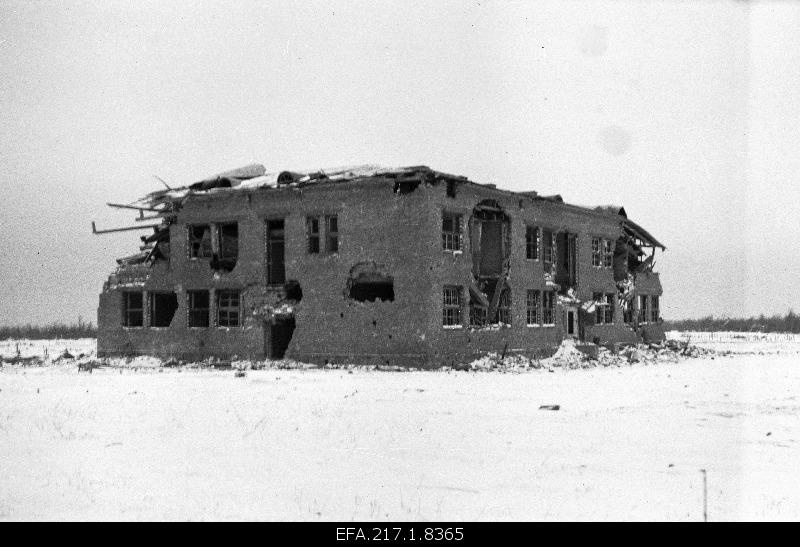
x: 403, y: 266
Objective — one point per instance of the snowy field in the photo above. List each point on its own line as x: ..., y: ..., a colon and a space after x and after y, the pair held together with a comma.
x: 627, y: 443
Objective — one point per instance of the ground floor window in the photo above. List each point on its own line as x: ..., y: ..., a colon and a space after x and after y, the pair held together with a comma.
x: 504, y: 307
x: 627, y: 311
x: 534, y: 308
x: 654, y: 305
x: 133, y: 309
x: 644, y: 311
x: 604, y: 311
x: 162, y: 308
x: 198, y: 308
x: 228, y: 308
x: 548, y: 308
x: 451, y: 308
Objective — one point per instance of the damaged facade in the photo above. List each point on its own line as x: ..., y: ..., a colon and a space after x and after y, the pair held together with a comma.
x: 404, y: 266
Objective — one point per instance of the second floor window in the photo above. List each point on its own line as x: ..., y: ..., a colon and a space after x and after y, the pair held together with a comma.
x: 312, y: 230
x: 200, y: 241
x: 331, y: 234
x: 451, y: 232
x: 532, y: 242
x: 228, y: 235
x: 597, y: 252
x: 608, y: 253
x: 549, y: 251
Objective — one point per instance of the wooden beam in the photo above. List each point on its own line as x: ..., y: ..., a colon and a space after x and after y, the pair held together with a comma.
x: 134, y: 207
x: 97, y: 232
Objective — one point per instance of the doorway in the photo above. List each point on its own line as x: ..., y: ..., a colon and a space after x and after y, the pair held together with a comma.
x: 572, y: 322
x: 280, y: 334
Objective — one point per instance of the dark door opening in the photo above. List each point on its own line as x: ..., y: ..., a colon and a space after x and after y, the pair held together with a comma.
x: 566, y: 251
x: 276, y: 269
x: 280, y: 334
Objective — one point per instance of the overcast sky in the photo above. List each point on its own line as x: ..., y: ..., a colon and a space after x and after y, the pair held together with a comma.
x: 688, y: 114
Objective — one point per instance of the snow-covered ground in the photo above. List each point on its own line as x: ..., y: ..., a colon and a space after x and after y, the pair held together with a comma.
x: 628, y: 441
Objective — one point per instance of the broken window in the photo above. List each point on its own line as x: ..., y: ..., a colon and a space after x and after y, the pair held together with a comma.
x: 548, y: 244
x: 228, y: 308
x: 162, y: 308
x: 534, y: 304
x: 133, y: 314
x: 654, y: 305
x: 627, y: 311
x: 504, y: 307
x: 451, y: 231
x: 369, y: 282
x: 548, y: 308
x: 372, y: 290
x: 643, y: 309
x: 312, y: 231
x: 532, y: 242
x: 451, y: 188
x: 478, y: 306
x: 608, y: 254
x: 229, y: 241
x: 331, y: 234
x: 597, y: 256
x: 451, y: 310
x: 598, y: 308
x: 198, y: 308
x: 604, y: 308
x: 200, y: 241
x: 609, y: 308
x: 276, y: 269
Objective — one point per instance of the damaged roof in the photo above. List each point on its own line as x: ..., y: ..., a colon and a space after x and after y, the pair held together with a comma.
x: 255, y: 176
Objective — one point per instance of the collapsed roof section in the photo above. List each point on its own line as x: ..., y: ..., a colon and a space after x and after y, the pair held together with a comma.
x: 254, y: 177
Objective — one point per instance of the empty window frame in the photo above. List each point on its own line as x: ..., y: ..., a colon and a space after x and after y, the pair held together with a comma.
x: 548, y: 248
x: 643, y: 308
x: 654, y: 308
x: 276, y: 245
x: 331, y: 234
x: 162, y: 308
x: 608, y: 253
x: 608, y: 310
x: 627, y: 311
x: 604, y: 308
x: 532, y: 242
x: 312, y: 234
x: 504, y: 307
x: 534, y: 308
x: 228, y: 236
x: 200, y: 241
x: 451, y: 231
x: 228, y: 308
x: 133, y: 309
x: 199, y: 309
x: 451, y: 306
x: 548, y: 308
x: 597, y: 252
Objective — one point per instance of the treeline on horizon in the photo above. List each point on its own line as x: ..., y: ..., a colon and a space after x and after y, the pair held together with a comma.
x: 51, y: 331
x: 775, y: 323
